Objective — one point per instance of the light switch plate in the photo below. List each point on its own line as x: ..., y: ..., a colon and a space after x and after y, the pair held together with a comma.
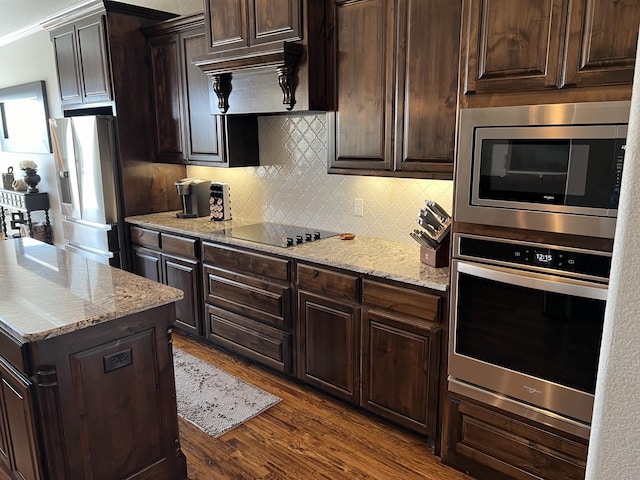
x: 358, y: 207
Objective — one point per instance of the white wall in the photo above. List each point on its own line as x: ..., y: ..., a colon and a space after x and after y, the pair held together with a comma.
x: 28, y: 60
x: 615, y: 431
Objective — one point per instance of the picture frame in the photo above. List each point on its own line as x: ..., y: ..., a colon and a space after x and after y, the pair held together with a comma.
x: 24, y: 116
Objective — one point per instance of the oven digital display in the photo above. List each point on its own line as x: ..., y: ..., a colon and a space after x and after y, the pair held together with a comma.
x: 545, y: 258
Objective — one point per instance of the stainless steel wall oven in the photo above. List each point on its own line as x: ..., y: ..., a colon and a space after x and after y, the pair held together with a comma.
x: 526, y: 327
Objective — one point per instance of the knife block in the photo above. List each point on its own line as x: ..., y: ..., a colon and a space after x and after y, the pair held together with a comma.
x: 436, y: 257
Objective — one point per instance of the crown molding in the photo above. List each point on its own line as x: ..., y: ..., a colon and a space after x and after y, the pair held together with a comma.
x: 59, y: 18
x: 71, y: 14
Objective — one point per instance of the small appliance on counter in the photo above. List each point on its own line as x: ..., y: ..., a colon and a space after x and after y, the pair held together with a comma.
x: 220, y: 202
x: 195, y: 197
x: 434, y: 236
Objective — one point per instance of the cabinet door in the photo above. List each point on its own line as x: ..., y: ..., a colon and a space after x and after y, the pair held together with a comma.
x: 329, y: 345
x: 400, y: 370
x: 184, y: 274
x: 426, y: 109
x: 274, y: 20
x: 146, y: 263
x: 361, y: 129
x: 204, y: 130
x: 94, y: 59
x: 601, y: 44
x: 20, y: 422
x: 167, y: 97
x: 514, y: 45
x: 225, y: 24
x: 65, y: 51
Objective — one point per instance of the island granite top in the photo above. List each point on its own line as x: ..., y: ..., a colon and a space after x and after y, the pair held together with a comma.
x: 47, y: 292
x: 366, y: 255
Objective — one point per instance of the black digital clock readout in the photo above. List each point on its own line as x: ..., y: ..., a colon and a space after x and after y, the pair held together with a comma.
x: 543, y: 257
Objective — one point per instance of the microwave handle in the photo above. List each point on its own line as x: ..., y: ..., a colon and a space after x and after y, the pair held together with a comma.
x: 537, y: 281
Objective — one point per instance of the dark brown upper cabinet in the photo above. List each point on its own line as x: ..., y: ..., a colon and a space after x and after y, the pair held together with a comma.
x: 396, y: 79
x: 524, y: 45
x: 186, y: 130
x: 249, y: 23
x: 266, y: 56
x: 82, y: 62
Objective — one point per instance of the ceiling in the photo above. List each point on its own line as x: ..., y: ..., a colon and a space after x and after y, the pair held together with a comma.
x: 19, y: 15
x: 19, y: 18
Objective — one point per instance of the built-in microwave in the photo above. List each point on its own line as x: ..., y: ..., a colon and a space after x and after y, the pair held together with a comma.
x: 554, y: 168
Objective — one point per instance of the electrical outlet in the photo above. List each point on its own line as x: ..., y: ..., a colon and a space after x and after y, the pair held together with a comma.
x: 358, y: 207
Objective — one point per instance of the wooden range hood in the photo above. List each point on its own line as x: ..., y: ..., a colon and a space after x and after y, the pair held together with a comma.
x: 282, y: 63
x: 268, y: 64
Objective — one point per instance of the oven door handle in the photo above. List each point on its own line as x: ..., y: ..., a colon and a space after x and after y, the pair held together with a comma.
x: 537, y: 281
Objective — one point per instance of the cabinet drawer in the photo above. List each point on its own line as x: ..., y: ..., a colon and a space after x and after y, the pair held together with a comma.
x: 13, y: 351
x: 181, y: 246
x: 402, y: 300
x: 254, y: 264
x: 257, y: 299
x: 481, y: 439
x: 262, y: 343
x: 334, y: 284
x: 145, y: 237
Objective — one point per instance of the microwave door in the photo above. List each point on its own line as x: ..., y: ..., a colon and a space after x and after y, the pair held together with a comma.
x: 64, y: 154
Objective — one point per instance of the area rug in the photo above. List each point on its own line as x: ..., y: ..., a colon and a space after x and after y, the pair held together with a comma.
x: 212, y: 399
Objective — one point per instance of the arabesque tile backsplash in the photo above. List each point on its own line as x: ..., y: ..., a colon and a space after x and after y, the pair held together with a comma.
x: 292, y: 186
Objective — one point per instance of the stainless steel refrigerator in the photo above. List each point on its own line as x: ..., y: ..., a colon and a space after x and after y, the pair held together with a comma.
x: 85, y: 153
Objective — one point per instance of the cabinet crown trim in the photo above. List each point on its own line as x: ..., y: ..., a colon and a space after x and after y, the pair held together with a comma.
x: 91, y: 7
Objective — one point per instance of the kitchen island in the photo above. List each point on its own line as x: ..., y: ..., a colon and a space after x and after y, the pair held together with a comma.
x: 86, y: 366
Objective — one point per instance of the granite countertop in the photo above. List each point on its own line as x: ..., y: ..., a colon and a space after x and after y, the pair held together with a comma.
x: 371, y: 256
x: 47, y: 292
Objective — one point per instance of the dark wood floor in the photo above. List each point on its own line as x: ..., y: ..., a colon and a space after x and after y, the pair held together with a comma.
x: 306, y: 436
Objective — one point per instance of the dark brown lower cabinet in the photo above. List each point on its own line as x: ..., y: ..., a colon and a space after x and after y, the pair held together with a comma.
x: 329, y: 345
x: 491, y: 444
x: 400, y: 369
x: 172, y: 260
x: 18, y: 443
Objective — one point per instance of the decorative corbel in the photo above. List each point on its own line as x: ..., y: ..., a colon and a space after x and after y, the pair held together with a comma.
x: 222, y: 86
x: 286, y: 81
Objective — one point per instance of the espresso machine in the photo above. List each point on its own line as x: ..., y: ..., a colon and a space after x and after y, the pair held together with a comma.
x: 195, y: 197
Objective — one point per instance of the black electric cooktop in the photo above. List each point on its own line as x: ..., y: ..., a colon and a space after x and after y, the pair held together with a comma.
x: 277, y: 234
